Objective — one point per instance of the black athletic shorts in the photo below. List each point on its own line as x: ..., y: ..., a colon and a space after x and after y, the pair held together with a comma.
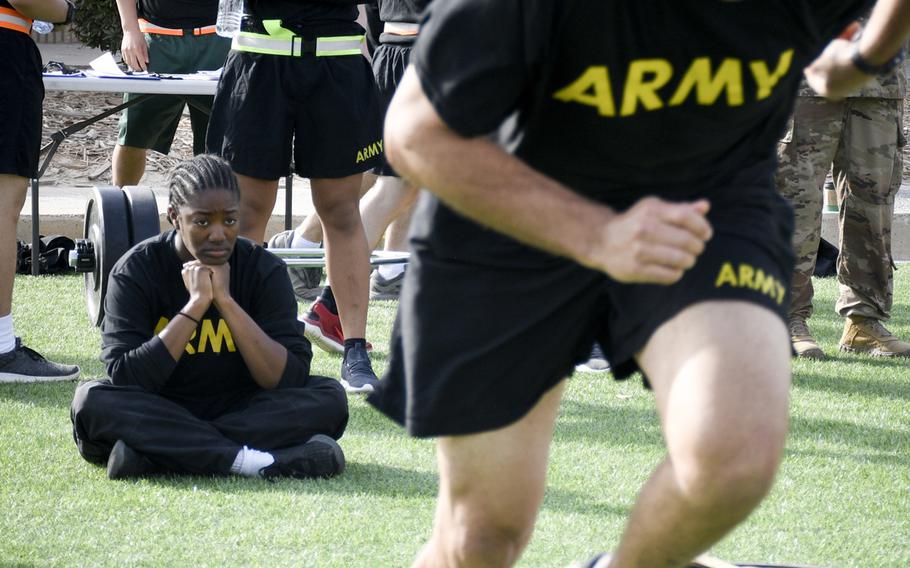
x: 327, y: 106
x: 476, y: 344
x: 389, y: 62
x: 21, y: 97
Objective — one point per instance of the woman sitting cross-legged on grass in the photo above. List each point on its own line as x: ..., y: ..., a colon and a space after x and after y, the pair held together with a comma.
x: 208, y: 371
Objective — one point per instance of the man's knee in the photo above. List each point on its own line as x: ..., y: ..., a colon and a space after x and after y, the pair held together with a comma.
x: 735, y: 472
x: 488, y: 541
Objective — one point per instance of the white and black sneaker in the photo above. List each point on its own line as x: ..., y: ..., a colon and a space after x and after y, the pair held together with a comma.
x: 306, y: 281
x: 596, y: 363
x: 357, y: 374
x: 385, y: 289
x: 320, y: 456
x: 25, y: 365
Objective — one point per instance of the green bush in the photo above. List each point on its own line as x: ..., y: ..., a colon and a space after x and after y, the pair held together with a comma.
x: 97, y: 24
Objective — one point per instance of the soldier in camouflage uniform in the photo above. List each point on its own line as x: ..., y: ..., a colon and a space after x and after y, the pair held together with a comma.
x: 861, y: 136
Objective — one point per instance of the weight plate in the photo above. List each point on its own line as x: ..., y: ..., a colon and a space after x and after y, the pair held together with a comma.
x: 143, y: 218
x: 106, y: 226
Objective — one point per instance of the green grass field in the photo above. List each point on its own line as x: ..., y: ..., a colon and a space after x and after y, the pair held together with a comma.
x: 842, y: 497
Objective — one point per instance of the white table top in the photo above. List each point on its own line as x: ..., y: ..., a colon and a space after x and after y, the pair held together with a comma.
x: 186, y: 86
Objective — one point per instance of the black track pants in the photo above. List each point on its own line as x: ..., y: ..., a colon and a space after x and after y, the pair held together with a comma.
x: 176, y: 440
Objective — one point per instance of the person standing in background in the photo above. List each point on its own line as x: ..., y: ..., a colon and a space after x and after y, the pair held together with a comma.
x: 164, y: 36
x: 21, y: 98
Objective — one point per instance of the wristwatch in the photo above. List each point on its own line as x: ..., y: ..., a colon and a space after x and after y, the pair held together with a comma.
x: 70, y: 13
x: 868, y: 68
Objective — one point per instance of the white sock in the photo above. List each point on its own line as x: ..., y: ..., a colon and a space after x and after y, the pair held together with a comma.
x: 249, y: 461
x: 389, y: 271
x: 7, y: 335
x: 298, y: 242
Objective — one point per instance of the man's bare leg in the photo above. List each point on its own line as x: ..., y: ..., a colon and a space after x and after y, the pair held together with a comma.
x: 490, y: 488
x: 389, y: 198
x: 13, y: 190
x: 347, y: 255
x: 257, y: 201
x: 127, y: 165
x: 396, y: 236
x: 721, y: 375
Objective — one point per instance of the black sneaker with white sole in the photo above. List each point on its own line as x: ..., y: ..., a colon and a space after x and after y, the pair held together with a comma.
x: 24, y: 365
x: 320, y: 456
x: 357, y: 374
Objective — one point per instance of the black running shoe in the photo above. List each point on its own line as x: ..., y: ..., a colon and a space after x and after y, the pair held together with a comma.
x: 320, y: 456
x: 24, y: 365
x: 125, y: 462
x: 357, y: 374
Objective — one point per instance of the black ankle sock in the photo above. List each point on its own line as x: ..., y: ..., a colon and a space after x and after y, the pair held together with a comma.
x: 328, y: 299
x: 354, y: 342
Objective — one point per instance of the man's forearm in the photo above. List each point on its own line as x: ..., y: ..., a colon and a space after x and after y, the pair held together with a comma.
x: 54, y: 11
x: 129, y: 17
x: 481, y: 181
x: 886, y: 31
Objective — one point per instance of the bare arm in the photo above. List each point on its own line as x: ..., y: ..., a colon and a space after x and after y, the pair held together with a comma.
x: 264, y: 357
x: 133, y: 47
x: 834, y: 75
x: 654, y: 241
x: 47, y: 10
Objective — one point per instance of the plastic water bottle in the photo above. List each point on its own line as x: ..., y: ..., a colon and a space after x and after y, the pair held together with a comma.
x: 230, y: 12
x: 42, y: 28
x: 830, y: 196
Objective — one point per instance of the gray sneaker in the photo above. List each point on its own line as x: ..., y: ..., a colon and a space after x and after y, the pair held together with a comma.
x: 382, y: 289
x: 305, y: 280
x: 24, y: 365
x: 596, y: 363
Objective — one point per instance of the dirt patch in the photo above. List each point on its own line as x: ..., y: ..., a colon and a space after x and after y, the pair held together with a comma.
x: 84, y: 158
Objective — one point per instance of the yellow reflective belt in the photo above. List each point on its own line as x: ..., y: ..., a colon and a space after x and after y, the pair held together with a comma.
x: 281, y: 41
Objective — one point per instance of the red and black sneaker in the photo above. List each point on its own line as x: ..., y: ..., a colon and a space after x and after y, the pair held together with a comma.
x: 323, y: 328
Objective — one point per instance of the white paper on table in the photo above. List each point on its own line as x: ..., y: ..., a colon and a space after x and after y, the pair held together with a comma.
x: 105, y: 65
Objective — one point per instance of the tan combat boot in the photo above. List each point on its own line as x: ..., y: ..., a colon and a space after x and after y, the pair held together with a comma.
x: 804, y: 345
x: 868, y: 335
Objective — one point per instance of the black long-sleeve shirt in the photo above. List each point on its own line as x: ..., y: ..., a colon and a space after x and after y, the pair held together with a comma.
x: 145, y: 291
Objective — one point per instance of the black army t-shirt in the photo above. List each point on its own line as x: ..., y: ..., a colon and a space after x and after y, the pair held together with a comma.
x: 179, y: 14
x: 146, y: 291
x: 618, y: 99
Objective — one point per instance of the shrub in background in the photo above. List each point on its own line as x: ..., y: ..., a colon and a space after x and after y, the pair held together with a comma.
x: 97, y: 24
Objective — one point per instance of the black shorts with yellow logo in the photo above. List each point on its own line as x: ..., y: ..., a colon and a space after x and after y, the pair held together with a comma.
x: 478, y: 342
x: 326, y: 106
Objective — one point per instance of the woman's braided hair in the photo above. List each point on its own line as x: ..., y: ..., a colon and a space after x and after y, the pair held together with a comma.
x: 201, y: 173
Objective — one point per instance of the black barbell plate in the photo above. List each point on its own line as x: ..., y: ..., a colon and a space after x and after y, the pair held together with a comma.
x: 106, y: 226
x: 143, y: 213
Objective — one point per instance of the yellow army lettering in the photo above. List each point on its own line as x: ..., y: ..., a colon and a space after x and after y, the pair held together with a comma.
x: 747, y: 276
x: 368, y: 152
x: 210, y: 339
x: 646, y: 77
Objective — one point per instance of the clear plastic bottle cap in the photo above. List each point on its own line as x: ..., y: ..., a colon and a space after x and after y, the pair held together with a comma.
x: 42, y: 27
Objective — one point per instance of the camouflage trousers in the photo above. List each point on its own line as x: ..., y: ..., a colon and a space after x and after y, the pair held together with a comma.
x: 861, y: 139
